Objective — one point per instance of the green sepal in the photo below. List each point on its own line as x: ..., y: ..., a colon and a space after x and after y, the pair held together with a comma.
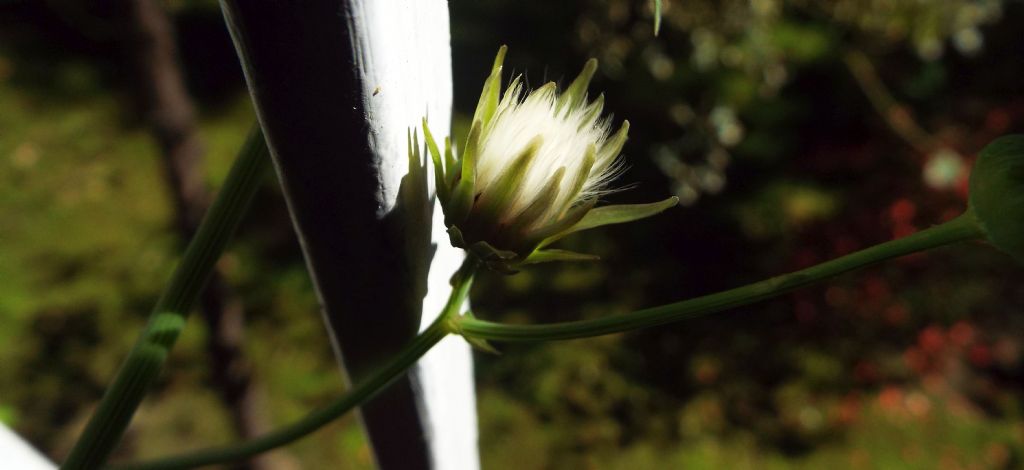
x: 583, y: 173
x: 617, y: 214
x: 489, y: 96
x: 450, y: 164
x: 544, y: 200
x: 482, y: 250
x: 462, y: 197
x: 545, y: 256
x: 469, y: 155
x: 593, y: 112
x: 435, y: 156
x: 571, y: 218
x: 547, y: 88
x: 511, y: 94
x: 494, y: 258
x: 456, y: 238
x: 508, y: 184
x: 487, y: 252
x: 613, y: 146
x: 996, y: 194
x: 577, y: 91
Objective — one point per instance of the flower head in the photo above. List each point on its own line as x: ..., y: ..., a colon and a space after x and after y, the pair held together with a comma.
x: 533, y: 167
x: 996, y: 195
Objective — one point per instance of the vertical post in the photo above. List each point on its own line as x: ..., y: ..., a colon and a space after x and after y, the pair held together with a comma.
x: 337, y: 84
x: 17, y: 453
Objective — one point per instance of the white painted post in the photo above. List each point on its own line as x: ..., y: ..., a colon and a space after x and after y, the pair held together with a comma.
x: 16, y: 453
x: 337, y: 84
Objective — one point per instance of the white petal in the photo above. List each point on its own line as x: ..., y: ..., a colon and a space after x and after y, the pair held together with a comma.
x: 566, y: 136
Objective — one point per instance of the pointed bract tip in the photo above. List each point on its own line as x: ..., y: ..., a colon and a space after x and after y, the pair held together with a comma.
x: 500, y: 58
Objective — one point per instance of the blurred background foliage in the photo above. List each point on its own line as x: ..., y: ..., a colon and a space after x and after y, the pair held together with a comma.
x: 793, y: 131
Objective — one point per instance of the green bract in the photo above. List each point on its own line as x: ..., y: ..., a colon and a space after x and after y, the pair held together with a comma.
x: 531, y: 171
x: 997, y: 194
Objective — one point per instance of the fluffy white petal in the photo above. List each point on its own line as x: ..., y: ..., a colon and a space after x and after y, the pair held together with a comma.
x: 565, y: 135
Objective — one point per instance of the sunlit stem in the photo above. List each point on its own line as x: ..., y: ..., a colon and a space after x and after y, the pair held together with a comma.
x: 143, y: 363
x: 960, y: 229
x: 358, y: 395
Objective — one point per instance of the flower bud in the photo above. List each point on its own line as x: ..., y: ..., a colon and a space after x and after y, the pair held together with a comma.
x: 997, y: 194
x: 531, y: 171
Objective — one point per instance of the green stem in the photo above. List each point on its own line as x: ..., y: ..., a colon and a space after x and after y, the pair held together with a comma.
x: 962, y: 228
x: 380, y: 379
x: 143, y: 363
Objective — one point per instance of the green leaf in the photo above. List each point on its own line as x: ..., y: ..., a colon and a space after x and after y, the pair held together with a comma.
x: 489, y: 95
x: 545, y: 256
x: 617, y: 214
x: 577, y: 91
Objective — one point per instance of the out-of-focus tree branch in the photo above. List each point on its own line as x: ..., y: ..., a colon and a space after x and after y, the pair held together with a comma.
x: 896, y: 115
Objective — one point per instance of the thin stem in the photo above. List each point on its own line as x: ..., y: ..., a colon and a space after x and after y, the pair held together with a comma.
x: 895, y: 114
x: 380, y: 379
x: 143, y: 363
x: 962, y: 228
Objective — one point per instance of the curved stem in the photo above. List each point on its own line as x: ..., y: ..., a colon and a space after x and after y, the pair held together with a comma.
x: 962, y: 228
x: 143, y: 363
x: 895, y: 114
x: 380, y: 379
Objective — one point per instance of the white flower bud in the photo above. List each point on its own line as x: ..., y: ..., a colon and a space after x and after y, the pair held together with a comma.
x: 531, y: 172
